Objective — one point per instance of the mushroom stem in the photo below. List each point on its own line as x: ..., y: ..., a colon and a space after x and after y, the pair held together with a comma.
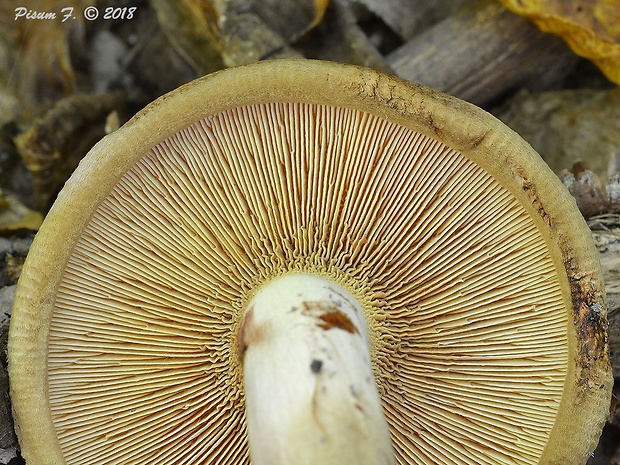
x: 310, y: 392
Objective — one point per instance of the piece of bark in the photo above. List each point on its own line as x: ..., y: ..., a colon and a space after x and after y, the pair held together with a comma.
x: 15, y: 178
x: 52, y: 147
x: 410, y: 17
x: 606, y: 234
x: 287, y: 18
x: 13, y: 251
x: 339, y: 38
x: 157, y: 76
x: 588, y: 190
x: 245, y: 38
x: 9, y: 102
x: 7, y: 432
x: 568, y: 126
x: 481, y: 53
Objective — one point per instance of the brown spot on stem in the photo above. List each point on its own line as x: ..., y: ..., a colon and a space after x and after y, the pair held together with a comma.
x: 337, y: 319
x: 243, y: 332
x: 329, y: 316
x: 250, y: 332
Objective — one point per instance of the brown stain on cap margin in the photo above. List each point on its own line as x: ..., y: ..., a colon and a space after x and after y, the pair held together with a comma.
x: 591, y: 324
x: 250, y: 332
x: 531, y: 193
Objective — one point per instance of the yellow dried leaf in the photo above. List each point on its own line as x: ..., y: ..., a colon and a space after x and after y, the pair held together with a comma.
x: 14, y: 215
x: 320, y: 8
x: 590, y: 27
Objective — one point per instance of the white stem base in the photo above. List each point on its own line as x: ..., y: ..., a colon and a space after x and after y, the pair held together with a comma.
x: 311, y: 397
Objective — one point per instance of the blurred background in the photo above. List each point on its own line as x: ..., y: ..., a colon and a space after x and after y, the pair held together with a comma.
x: 72, y: 71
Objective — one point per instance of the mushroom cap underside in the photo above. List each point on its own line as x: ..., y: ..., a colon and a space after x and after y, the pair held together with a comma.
x: 476, y: 273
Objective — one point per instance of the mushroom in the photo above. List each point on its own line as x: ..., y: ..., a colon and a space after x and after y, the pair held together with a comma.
x: 307, y: 262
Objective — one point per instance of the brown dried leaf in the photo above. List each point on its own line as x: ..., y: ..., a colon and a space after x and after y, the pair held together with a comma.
x: 590, y: 27
x: 54, y: 144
